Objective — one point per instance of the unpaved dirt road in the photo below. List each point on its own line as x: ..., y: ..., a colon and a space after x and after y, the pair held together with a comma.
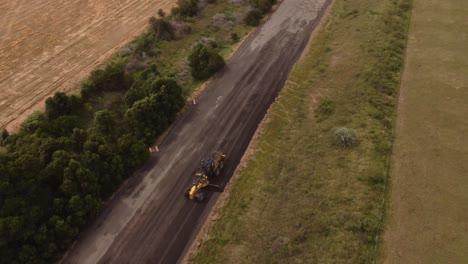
x: 150, y: 220
x: 49, y: 45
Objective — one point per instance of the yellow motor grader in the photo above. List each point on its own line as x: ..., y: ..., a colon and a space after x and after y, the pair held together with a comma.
x: 210, y: 167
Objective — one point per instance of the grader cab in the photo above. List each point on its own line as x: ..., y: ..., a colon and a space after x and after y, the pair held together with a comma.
x: 210, y: 168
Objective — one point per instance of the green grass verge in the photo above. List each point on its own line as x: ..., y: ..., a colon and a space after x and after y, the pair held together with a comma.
x: 302, y: 199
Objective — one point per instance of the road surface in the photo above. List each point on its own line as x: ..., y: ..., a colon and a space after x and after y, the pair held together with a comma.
x: 149, y: 220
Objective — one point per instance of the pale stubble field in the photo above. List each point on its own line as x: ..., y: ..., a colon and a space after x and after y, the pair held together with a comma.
x: 428, y: 216
x: 48, y: 46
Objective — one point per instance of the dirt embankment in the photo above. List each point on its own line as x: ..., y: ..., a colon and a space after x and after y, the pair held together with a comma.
x: 48, y: 46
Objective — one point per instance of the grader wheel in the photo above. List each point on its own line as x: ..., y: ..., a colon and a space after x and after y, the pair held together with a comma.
x: 200, y: 196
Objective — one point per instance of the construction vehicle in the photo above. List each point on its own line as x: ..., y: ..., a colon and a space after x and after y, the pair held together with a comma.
x: 210, y: 168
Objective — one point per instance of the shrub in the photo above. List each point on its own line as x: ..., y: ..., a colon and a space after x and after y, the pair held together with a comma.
x: 223, y: 21
x: 87, y: 89
x: 136, y: 63
x: 345, y: 137
x: 154, y: 106
x: 262, y: 5
x: 204, y: 62
x: 253, y: 17
x: 61, y: 104
x: 104, y: 121
x: 376, y: 180
x: 34, y: 121
x: 161, y: 28
x: 326, y: 107
x: 366, y: 227
x: 161, y: 13
x: 209, y: 43
x: 151, y: 116
x: 57, y: 105
x: 185, y: 8
x: 111, y: 78
x: 180, y: 29
x: 235, y: 37
x: 4, y: 135
x: 62, y: 126
x: 145, y: 41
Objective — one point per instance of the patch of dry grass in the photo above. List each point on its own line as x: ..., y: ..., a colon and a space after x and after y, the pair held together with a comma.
x: 430, y: 163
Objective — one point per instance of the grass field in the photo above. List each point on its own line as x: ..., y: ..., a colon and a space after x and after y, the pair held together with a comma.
x: 428, y: 216
x: 301, y: 198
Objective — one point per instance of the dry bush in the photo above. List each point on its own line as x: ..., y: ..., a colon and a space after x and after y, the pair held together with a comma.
x: 345, y: 137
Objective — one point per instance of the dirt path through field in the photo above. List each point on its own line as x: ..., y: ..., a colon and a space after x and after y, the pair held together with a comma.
x: 150, y: 220
x: 428, y: 217
x: 48, y: 46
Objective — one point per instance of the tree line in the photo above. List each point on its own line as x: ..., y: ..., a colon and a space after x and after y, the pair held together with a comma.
x: 60, y: 166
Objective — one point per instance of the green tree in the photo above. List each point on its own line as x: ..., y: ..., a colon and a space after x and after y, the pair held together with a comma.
x: 63, y: 232
x: 136, y: 93
x: 11, y: 227
x: 77, y: 211
x: 104, y: 121
x: 3, y: 136
x: 36, y: 121
x: 78, y: 138
x: 49, y: 145
x: 57, y: 105
x: 162, y: 28
x: 262, y: 5
x: 58, y: 206
x: 253, y: 17
x: 111, y: 78
x: 88, y: 88
x: 134, y: 151
x: 62, y: 125
x: 92, y: 206
x: 204, y: 62
x: 78, y: 180
x: 61, y: 104
x: 151, y: 115
x: 52, y: 175
x: 145, y: 42
x: 28, y: 254
x: 146, y: 120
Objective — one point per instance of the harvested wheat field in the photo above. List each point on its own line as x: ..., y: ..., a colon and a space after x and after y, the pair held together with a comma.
x: 48, y: 46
